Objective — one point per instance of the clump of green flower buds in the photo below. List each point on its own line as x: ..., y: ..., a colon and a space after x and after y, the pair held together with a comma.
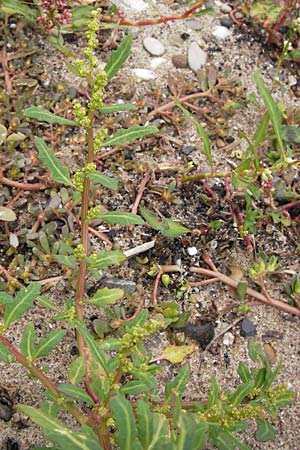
x: 99, y: 139
x: 81, y: 174
x: 80, y: 113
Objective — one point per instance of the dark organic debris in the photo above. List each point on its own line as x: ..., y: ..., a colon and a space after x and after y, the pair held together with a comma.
x: 202, y: 333
x: 6, y: 405
x: 10, y: 444
x: 248, y: 328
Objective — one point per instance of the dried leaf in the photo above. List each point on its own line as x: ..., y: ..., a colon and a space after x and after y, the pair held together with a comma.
x: 176, y: 354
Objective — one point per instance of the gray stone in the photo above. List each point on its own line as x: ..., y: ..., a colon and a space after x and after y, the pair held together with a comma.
x: 144, y: 74
x: 226, y: 22
x: 220, y: 33
x: 248, y: 328
x: 180, y: 61
x: 194, y: 24
x: 196, y: 57
x: 112, y: 283
x: 226, y: 9
x: 153, y: 46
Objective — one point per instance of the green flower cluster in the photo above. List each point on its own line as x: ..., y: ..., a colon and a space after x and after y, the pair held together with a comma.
x: 100, y: 82
x: 79, y: 252
x: 93, y: 213
x: 81, y: 174
x: 80, y: 113
x: 99, y: 139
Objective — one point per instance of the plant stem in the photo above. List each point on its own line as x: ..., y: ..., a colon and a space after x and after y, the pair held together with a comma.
x: 251, y: 292
x: 37, y: 373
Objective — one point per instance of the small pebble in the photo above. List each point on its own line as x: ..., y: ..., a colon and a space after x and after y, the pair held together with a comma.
x: 153, y: 46
x: 226, y: 9
x: 187, y: 149
x: 192, y: 251
x: 228, y: 339
x: 180, y: 61
x: 144, y: 74
x: 220, y: 33
x: 238, y: 15
x: 248, y: 328
x: 194, y: 24
x: 157, y: 62
x: 196, y: 57
x: 135, y: 5
x: 226, y: 22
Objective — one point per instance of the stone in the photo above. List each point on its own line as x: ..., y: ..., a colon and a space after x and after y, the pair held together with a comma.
x: 228, y: 339
x: 157, y: 62
x: 219, y: 33
x: 226, y: 9
x: 248, y: 328
x: 135, y: 5
x: 196, y: 57
x: 226, y: 22
x: 118, y: 283
x: 153, y: 46
x: 194, y: 24
x: 192, y: 251
x: 180, y: 61
x: 144, y: 74
x: 202, y: 333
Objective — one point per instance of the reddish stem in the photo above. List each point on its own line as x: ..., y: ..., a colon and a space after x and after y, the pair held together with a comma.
x: 142, y: 23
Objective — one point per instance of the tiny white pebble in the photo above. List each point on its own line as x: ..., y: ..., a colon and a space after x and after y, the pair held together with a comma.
x: 228, y: 339
x: 192, y: 251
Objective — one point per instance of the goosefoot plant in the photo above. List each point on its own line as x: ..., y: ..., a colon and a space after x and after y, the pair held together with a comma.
x: 112, y: 390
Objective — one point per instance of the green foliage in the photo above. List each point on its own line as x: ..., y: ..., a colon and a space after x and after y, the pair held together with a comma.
x: 112, y: 389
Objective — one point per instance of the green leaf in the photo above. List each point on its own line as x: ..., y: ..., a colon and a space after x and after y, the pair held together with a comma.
x: 265, y: 431
x: 47, y: 343
x: 121, y: 218
x: 13, y: 7
x: 5, y: 298
x: 125, y: 421
x: 227, y: 440
x: 161, y: 435
x: 260, y: 377
x: 98, y: 178
x: 42, y: 115
x: 173, y: 229
x: 118, y: 57
x: 5, y: 355
x: 106, y: 258
x: 95, y: 352
x: 3, y: 133
x: 272, y: 109
x: 56, y: 432
x: 291, y: 133
x: 7, y: 214
x: 67, y: 260
x: 151, y: 219
x: 28, y: 339
x: 44, y: 301
x: 44, y: 242
x: 176, y: 353
x: 129, y: 135
x: 241, y: 392
x: 58, y: 171
x: 106, y: 296
x: 178, y: 385
x: 192, y: 435
x: 77, y: 370
x: 22, y: 301
x: 145, y: 423
x: 73, y: 69
x: 117, y: 108
x: 134, y: 387
x: 244, y: 372
x: 201, y: 133
x: 214, y: 392
x: 167, y: 227
x: 75, y: 392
